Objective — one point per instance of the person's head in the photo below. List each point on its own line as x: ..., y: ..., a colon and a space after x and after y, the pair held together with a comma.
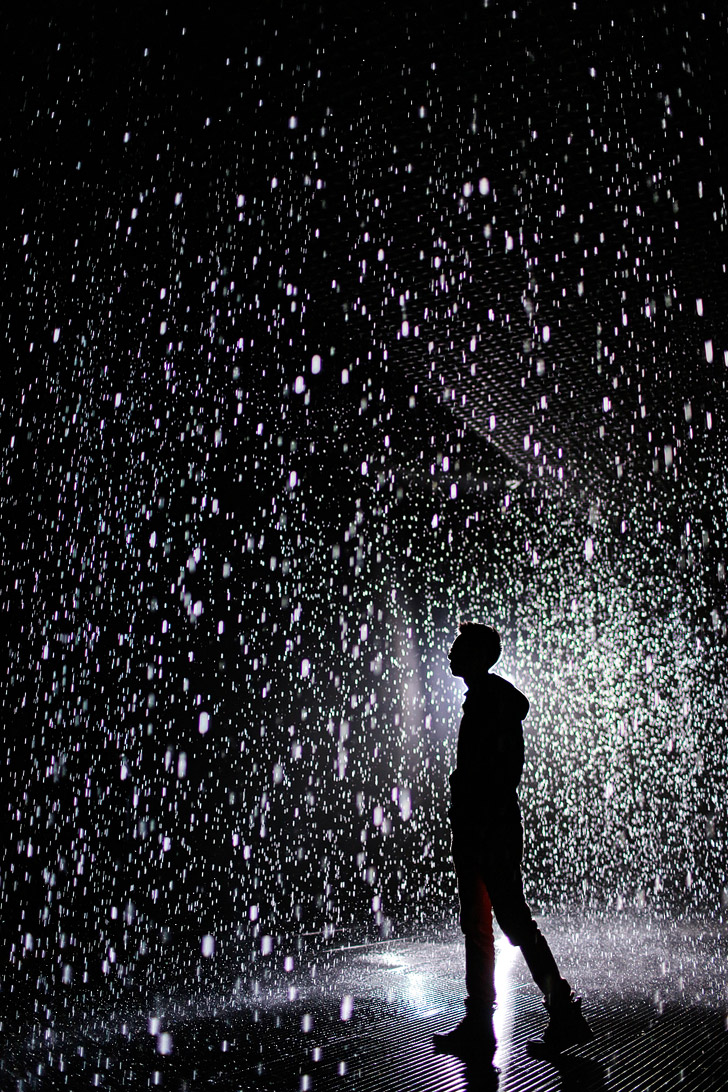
x: 475, y: 650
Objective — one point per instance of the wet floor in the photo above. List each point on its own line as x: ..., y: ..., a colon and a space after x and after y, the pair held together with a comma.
x: 360, y: 1016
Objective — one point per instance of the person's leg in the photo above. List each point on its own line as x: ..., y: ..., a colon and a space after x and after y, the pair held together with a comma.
x: 502, y: 873
x: 476, y: 922
x: 474, y: 1035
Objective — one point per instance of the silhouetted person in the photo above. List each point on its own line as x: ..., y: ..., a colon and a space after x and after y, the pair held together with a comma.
x: 487, y: 847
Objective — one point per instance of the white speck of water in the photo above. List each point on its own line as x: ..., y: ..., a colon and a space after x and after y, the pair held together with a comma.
x: 204, y: 723
x: 164, y: 1043
x: 347, y: 1007
x: 208, y: 945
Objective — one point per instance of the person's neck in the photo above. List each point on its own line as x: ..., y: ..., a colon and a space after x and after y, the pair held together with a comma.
x: 474, y: 681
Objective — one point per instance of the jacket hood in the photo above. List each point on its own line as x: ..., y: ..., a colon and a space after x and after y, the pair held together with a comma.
x: 510, y: 699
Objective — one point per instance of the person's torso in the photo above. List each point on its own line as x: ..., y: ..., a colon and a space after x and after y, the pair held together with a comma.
x: 489, y: 753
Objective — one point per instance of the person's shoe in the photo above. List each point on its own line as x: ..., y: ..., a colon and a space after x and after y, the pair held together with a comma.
x: 567, y: 1027
x: 471, y: 1038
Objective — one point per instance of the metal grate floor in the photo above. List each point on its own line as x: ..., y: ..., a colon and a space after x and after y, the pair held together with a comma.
x: 361, y: 1018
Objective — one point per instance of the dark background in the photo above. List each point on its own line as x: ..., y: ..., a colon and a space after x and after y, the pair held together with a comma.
x: 324, y: 329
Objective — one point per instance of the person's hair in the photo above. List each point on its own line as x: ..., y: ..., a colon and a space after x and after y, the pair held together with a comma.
x: 485, y: 639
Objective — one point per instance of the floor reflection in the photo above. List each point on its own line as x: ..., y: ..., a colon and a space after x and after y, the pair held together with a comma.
x: 361, y: 1017
x: 507, y: 958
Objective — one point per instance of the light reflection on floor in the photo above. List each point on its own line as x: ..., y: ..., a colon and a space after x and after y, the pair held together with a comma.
x: 361, y: 1018
x: 507, y: 958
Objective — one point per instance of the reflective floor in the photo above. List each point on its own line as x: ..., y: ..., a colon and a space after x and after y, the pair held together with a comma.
x: 362, y: 1016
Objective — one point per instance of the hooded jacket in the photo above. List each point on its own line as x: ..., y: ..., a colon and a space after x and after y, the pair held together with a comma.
x: 485, y: 781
